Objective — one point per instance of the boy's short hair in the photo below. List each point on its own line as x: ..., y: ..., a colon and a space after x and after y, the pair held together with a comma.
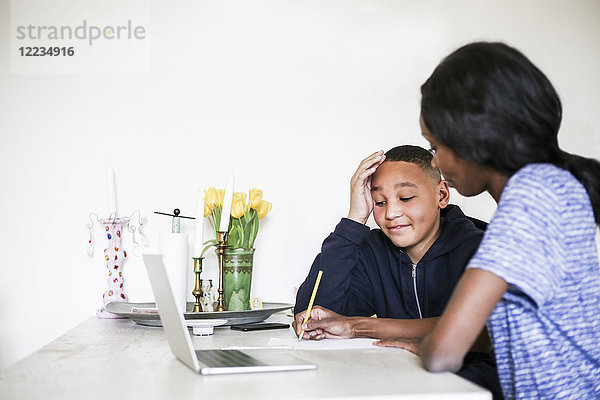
x: 415, y: 155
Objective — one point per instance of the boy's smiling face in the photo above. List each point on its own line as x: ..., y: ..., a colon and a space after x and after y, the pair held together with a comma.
x: 407, y: 203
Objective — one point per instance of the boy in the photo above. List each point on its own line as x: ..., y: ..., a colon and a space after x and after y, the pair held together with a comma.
x: 406, y: 270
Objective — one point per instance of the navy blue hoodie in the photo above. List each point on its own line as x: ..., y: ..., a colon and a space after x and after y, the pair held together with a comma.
x: 364, y: 273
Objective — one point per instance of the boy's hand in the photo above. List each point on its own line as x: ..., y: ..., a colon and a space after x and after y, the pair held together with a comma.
x: 324, y: 324
x: 361, y: 201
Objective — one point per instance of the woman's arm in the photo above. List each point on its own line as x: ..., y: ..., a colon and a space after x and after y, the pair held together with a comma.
x: 464, y: 318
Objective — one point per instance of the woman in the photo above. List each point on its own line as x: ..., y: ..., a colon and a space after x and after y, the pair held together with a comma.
x: 492, y: 119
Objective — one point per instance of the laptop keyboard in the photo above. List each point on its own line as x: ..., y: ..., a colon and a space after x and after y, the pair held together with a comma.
x: 226, y: 358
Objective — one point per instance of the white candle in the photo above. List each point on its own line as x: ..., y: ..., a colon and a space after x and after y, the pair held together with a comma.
x: 227, y: 200
x: 199, y: 238
x: 111, y: 193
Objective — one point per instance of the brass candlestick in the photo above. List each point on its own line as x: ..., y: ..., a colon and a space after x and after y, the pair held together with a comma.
x: 222, y: 239
x: 197, y: 292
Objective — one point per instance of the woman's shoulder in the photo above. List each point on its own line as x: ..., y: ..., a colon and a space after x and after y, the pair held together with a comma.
x: 544, y: 180
x: 546, y: 189
x: 542, y: 173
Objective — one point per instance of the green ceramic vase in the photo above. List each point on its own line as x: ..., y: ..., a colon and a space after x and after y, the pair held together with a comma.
x: 237, y: 278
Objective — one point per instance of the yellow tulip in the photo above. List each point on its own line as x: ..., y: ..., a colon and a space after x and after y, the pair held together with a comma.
x: 255, y: 198
x: 264, y: 209
x: 210, y: 200
x: 220, y: 197
x: 238, y: 208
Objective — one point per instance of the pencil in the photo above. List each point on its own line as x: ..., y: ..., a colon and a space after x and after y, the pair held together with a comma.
x: 310, y: 303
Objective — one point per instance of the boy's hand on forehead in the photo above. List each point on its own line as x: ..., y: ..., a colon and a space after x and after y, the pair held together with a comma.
x: 361, y: 201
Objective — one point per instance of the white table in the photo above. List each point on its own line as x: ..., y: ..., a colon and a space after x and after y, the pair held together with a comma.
x: 118, y: 359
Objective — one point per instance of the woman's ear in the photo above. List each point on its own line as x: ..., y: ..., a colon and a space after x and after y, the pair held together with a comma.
x: 444, y: 192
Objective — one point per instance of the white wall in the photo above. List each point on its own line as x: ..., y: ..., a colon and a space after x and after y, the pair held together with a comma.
x: 297, y: 92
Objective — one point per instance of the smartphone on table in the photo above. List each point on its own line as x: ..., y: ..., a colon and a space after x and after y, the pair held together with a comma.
x: 260, y: 326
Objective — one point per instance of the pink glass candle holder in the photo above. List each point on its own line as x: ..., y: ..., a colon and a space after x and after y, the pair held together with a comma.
x: 115, y: 257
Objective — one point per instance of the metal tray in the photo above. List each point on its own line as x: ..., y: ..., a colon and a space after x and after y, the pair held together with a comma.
x: 233, y: 317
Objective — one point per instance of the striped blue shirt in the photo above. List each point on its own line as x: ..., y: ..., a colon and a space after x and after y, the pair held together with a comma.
x: 546, y: 328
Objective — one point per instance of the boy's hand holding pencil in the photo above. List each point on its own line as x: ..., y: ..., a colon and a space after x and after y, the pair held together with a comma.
x: 310, y: 303
x: 325, y: 324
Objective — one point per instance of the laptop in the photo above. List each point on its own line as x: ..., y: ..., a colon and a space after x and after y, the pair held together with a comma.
x: 209, y: 362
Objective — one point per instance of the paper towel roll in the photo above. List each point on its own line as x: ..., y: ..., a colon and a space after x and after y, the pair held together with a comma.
x: 174, y: 249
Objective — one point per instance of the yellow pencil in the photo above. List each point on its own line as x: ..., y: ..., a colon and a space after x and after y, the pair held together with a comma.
x: 310, y: 303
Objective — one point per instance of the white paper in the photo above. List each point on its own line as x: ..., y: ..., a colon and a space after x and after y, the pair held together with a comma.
x: 325, y: 344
